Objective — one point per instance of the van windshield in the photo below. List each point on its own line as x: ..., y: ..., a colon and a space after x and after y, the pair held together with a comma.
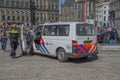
x: 85, y: 30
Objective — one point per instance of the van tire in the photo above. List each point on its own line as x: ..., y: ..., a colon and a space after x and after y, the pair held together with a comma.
x: 86, y: 57
x: 61, y: 55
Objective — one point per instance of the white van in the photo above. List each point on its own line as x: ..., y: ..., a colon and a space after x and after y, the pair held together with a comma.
x: 65, y: 40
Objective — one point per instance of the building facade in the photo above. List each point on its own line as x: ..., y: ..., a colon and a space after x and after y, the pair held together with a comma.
x: 103, y: 14
x: 96, y: 14
x: 73, y: 10
x: 28, y: 11
x: 114, y: 13
x: 67, y: 11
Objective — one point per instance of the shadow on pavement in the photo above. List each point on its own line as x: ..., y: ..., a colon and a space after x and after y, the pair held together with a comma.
x: 35, y: 54
x: 45, y: 56
x: 84, y: 60
x: 76, y: 61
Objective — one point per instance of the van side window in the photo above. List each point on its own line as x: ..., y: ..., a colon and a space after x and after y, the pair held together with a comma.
x: 38, y: 31
x: 49, y: 31
x: 56, y: 30
x: 63, y: 30
x: 85, y: 30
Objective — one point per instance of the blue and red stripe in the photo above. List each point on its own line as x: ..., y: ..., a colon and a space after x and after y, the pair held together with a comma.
x: 81, y: 49
x: 85, y: 49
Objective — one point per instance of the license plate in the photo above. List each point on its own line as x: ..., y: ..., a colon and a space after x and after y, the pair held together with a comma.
x: 87, y: 42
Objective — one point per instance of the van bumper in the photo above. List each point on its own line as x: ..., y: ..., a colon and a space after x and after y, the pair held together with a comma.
x: 74, y: 55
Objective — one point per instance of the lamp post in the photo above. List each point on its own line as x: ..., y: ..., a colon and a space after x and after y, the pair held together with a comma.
x: 85, y: 11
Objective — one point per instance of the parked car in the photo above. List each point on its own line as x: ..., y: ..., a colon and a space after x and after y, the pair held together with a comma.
x: 101, y: 35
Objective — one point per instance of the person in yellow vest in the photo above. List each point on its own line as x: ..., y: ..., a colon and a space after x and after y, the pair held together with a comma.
x: 14, y: 35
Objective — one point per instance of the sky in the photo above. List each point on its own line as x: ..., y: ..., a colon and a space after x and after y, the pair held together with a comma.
x: 60, y: 2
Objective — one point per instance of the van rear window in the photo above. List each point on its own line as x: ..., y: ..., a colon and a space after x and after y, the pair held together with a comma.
x: 56, y: 30
x: 85, y: 30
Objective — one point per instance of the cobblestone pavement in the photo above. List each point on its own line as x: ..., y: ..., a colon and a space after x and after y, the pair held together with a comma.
x: 104, y: 67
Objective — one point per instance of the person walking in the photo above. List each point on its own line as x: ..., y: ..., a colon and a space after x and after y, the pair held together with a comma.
x: 3, y: 40
x: 0, y: 39
x: 29, y: 40
x: 14, y: 34
x: 106, y: 38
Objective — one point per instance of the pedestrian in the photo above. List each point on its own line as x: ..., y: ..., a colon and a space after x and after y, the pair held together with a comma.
x: 29, y: 40
x: 14, y: 34
x: 28, y: 37
x: 3, y: 40
x: 0, y: 39
x: 116, y: 39
x: 106, y: 38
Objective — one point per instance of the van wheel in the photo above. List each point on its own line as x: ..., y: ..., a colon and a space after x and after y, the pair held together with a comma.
x: 86, y: 57
x: 61, y: 55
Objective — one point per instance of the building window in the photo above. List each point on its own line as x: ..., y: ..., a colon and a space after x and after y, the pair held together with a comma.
x: 37, y: 13
x: 17, y: 4
x: 13, y: 18
x: 2, y: 2
x: 40, y: 6
x: 18, y: 18
x: 104, y: 12
x: 27, y: 18
x: 7, y: 2
x: 56, y: 18
x: 49, y: 18
x: 27, y: 5
x: 37, y: 19
x: 22, y: 5
x: 22, y: 18
x: 3, y: 17
x: 49, y: 6
x: 13, y: 3
x: 8, y: 18
x: 41, y: 18
x: 104, y: 18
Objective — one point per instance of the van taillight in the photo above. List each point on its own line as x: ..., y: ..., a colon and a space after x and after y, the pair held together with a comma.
x: 74, y: 43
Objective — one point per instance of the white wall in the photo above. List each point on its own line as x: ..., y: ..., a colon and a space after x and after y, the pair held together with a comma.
x: 103, y: 12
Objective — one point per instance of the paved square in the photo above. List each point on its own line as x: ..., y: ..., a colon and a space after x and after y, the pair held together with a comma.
x: 104, y: 67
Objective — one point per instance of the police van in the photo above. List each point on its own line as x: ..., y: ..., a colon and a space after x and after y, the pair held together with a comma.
x: 65, y: 40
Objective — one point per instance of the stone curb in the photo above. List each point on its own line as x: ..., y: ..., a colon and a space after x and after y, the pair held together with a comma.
x: 108, y: 47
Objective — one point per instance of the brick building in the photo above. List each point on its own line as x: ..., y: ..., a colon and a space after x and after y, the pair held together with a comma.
x: 28, y: 11
x: 114, y: 13
x: 73, y: 10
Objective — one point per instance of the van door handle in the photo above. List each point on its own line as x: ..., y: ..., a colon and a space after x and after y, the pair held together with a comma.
x: 49, y: 43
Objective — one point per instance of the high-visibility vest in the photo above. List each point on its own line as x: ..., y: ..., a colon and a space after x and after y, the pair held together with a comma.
x: 14, y: 31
